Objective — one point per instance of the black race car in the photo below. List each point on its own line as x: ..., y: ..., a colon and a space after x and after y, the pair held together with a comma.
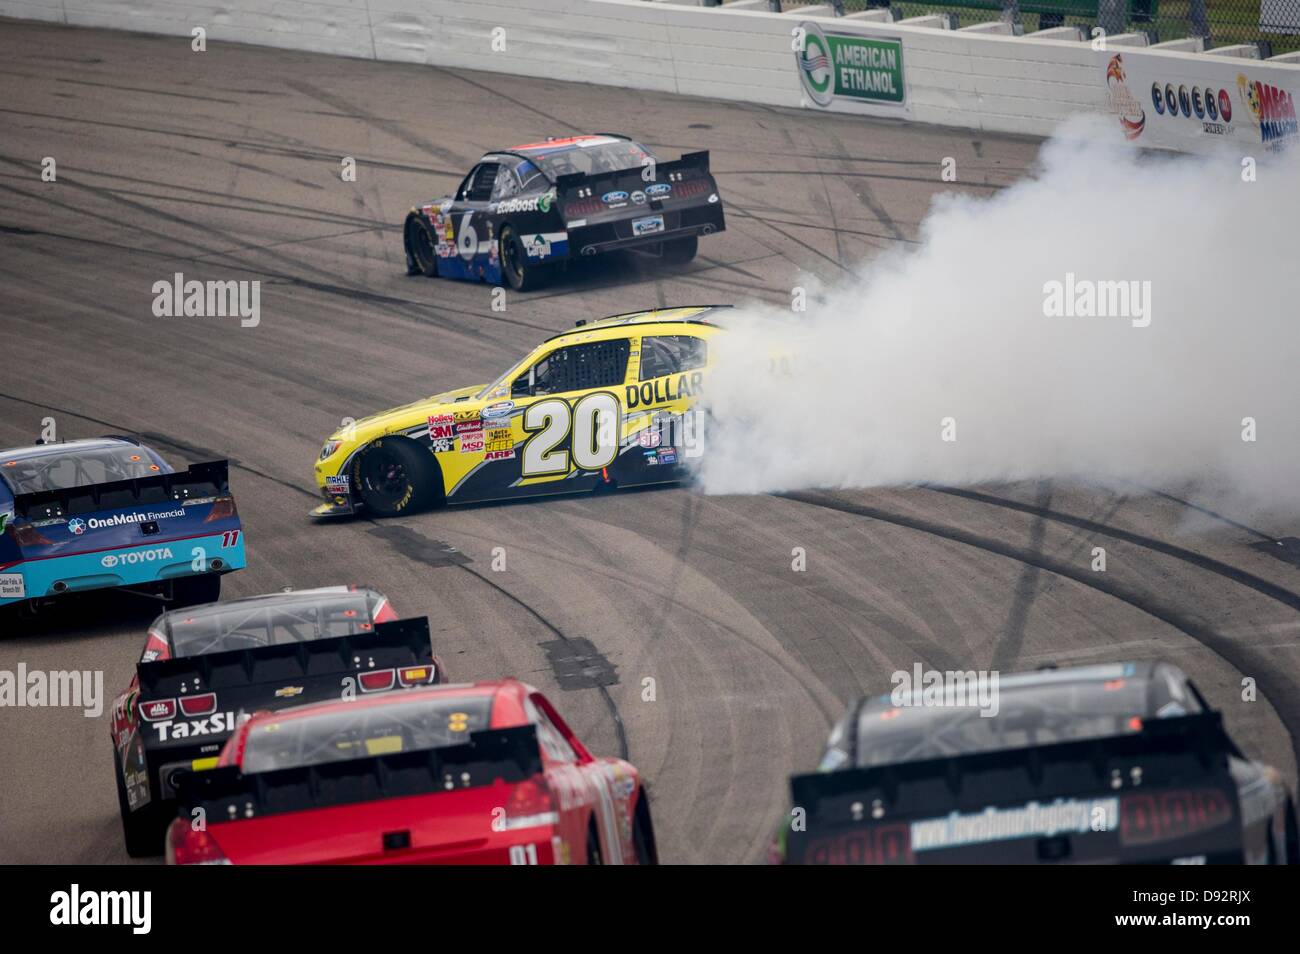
x: 521, y: 211
x: 207, y: 669
x: 1117, y: 763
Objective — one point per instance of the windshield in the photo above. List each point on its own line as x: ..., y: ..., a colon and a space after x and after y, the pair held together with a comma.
x: 257, y: 623
x: 419, y: 722
x: 1026, y: 716
x: 589, y: 160
x: 64, y: 469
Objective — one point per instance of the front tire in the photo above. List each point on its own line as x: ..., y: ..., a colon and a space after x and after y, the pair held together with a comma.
x: 680, y: 251
x: 421, y: 247
x: 394, y: 477
x: 514, y: 262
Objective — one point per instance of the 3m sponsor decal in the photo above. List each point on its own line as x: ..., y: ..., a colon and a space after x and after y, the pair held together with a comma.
x: 440, y: 426
x: 12, y: 586
x: 835, y: 65
x: 139, y: 556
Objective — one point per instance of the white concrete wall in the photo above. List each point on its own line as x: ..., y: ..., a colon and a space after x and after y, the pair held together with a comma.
x: 979, y: 81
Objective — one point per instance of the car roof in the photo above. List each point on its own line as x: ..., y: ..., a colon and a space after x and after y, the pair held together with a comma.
x: 493, y: 689
x: 65, y: 448
x: 682, y: 315
x: 263, y: 601
x: 1093, y: 676
x: 566, y: 144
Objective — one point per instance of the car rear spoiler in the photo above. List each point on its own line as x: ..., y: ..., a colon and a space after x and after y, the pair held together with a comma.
x: 691, y: 161
x: 309, y: 666
x: 198, y: 481
x: 225, y: 793
x: 1158, y: 793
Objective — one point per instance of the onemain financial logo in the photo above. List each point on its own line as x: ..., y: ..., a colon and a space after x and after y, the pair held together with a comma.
x: 79, y: 526
x: 96, y: 908
x: 845, y: 66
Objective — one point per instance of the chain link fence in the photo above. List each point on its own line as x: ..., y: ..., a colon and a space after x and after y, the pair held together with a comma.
x: 1273, y: 25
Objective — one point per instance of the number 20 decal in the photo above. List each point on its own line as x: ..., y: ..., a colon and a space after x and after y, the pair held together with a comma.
x: 591, y: 420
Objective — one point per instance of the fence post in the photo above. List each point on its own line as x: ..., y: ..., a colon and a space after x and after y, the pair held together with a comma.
x: 1011, y: 12
x: 1111, y: 16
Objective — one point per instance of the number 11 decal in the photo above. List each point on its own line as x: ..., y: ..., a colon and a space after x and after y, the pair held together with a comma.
x: 594, y: 424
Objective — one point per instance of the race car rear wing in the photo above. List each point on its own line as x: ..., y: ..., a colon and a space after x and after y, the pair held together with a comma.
x: 1154, y: 795
x: 674, y: 174
x: 198, y: 482
x: 508, y: 755
x: 396, y: 653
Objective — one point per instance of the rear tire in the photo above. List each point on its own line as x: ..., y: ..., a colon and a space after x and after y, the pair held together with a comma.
x: 421, y: 247
x: 643, y: 833
x: 196, y: 590
x: 143, y: 830
x: 514, y: 262
x: 394, y: 476
x: 681, y: 251
x: 1292, y: 836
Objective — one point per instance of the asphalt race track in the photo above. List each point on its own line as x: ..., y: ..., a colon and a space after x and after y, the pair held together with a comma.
x: 225, y: 165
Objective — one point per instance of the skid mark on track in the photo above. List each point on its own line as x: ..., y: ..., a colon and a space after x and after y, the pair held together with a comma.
x: 1280, y: 689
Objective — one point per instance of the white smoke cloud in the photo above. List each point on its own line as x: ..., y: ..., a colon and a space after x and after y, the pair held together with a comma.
x: 956, y: 329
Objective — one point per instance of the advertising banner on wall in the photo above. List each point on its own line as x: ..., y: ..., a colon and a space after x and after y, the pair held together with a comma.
x: 1191, y: 104
x: 850, y: 72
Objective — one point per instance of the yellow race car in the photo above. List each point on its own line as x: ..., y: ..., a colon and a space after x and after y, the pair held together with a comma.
x: 607, y: 403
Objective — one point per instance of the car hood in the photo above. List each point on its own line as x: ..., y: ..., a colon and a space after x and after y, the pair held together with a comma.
x: 408, y: 415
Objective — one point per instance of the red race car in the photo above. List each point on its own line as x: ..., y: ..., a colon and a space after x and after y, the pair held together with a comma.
x: 206, y: 668
x: 482, y: 773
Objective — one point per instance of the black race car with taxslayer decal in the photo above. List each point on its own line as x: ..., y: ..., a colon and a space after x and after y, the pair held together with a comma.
x: 1122, y: 763
x: 523, y: 211
x: 207, y: 669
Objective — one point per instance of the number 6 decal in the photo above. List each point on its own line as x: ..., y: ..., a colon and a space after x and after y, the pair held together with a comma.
x: 592, y: 421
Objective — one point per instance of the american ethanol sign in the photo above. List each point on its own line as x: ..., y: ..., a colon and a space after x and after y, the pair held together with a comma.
x: 848, y: 67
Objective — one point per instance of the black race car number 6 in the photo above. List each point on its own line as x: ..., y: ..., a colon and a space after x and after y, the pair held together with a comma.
x: 593, y: 422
